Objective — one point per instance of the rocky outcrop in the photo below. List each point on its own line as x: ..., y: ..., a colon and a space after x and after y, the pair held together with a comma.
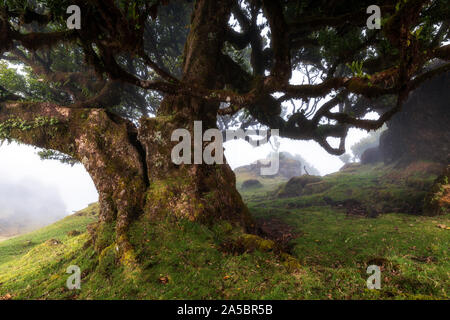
x: 289, y: 166
x: 251, y: 184
x: 296, y: 186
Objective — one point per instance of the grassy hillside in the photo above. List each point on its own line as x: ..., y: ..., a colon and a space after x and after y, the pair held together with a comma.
x: 329, y: 250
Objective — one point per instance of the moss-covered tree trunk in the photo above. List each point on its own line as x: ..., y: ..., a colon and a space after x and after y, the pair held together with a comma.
x: 199, y: 191
x: 131, y: 166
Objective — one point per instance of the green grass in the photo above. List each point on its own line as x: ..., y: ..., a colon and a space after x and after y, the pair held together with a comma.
x: 412, y: 251
x: 18, y: 246
x: 28, y: 261
x: 185, y: 260
x: 382, y: 188
x: 186, y: 253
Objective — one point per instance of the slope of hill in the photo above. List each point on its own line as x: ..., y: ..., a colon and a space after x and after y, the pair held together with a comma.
x: 322, y: 252
x: 13, y: 227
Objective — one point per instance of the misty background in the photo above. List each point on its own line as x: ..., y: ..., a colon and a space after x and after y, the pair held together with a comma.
x: 28, y: 204
x: 35, y: 193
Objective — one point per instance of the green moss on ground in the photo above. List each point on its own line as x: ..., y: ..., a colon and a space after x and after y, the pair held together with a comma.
x: 187, y: 260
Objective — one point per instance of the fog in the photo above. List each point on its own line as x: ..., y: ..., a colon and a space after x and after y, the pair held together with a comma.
x: 34, y: 193
x: 28, y: 204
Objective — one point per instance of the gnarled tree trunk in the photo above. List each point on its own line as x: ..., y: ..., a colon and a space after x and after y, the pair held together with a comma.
x: 131, y: 166
x: 199, y: 191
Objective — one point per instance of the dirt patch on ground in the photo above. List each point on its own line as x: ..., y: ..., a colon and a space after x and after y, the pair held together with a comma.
x: 277, y: 231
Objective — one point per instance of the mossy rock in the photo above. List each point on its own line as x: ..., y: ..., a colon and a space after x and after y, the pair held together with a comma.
x: 73, y: 233
x: 251, y: 184
x: 252, y: 242
x: 295, y: 186
x: 248, y: 243
x: 290, y: 262
x: 437, y: 201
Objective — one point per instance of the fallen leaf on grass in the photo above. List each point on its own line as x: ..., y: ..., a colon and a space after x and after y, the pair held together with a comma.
x: 164, y: 280
x: 6, y: 297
